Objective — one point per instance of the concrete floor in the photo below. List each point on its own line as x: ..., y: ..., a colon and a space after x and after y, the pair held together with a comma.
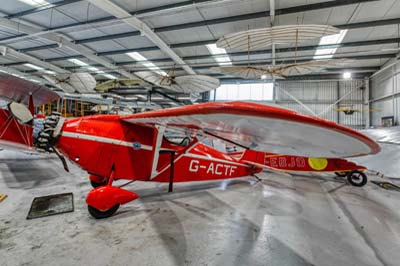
x: 387, y: 161
x: 283, y: 220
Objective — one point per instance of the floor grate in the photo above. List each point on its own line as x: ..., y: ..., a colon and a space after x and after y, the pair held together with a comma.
x: 51, y: 205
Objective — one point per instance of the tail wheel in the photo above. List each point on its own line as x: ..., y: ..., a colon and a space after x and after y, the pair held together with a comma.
x: 357, y: 178
x: 101, y: 214
x: 341, y: 174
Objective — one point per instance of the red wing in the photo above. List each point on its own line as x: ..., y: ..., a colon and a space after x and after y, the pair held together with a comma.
x: 263, y: 128
x: 18, y: 90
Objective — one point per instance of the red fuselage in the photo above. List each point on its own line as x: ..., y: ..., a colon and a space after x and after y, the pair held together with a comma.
x: 97, y: 143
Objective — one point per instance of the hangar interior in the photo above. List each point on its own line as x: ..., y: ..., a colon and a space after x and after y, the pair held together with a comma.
x: 282, y: 219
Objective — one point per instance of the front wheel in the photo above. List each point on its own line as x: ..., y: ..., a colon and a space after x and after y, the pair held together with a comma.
x: 98, y: 184
x: 100, y: 214
x: 357, y: 178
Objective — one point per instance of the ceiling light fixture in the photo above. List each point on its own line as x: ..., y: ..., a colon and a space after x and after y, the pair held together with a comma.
x: 347, y: 75
x: 109, y: 76
x: 91, y: 68
x: 40, y: 69
x: 34, y: 66
x: 145, y: 62
x: 77, y: 62
x: 36, y: 3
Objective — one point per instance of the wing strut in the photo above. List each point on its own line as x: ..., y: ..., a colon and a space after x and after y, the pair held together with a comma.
x: 171, y: 169
x: 156, y: 148
x: 227, y: 140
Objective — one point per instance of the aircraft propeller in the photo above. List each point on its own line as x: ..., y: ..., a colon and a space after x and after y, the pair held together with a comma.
x: 47, y: 139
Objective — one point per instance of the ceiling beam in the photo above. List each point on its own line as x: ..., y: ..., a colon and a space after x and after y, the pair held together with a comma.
x: 208, y: 65
x: 145, y: 30
x: 200, y: 43
x: 20, y: 74
x: 9, y: 52
x: 272, y: 11
x: 64, y: 41
x: 306, y: 77
x: 187, y: 4
x: 287, y: 60
x: 190, y: 44
x: 98, y: 22
x: 41, y: 8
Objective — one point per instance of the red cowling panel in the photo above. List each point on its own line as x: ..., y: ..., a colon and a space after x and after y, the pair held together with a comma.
x: 103, y: 198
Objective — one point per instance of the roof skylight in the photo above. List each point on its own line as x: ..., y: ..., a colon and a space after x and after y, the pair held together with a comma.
x: 40, y: 68
x: 91, y: 68
x: 33, y: 66
x: 35, y: 3
x: 221, y: 57
x: 143, y: 61
x: 326, y: 53
x: 109, y: 76
x: 77, y: 62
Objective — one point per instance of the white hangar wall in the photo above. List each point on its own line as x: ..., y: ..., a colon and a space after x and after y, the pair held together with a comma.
x: 385, y: 93
x: 324, y: 97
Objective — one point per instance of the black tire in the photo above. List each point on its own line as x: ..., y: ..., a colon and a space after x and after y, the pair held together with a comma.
x: 341, y: 174
x: 98, y: 214
x: 98, y: 184
x: 357, y: 178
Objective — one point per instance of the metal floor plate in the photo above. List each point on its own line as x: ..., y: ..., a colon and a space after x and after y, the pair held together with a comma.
x: 386, y: 185
x: 51, y: 205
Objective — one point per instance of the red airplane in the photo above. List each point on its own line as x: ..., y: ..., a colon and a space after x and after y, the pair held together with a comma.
x: 145, y: 146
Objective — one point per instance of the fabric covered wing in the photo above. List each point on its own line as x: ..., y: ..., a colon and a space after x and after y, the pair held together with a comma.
x: 196, y: 83
x: 287, y: 34
x: 263, y: 128
x: 81, y: 82
x: 17, y: 89
x: 181, y: 84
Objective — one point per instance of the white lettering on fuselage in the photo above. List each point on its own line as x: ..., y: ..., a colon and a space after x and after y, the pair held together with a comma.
x: 212, y: 168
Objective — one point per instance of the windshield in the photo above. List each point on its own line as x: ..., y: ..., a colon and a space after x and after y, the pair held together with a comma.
x: 177, y: 138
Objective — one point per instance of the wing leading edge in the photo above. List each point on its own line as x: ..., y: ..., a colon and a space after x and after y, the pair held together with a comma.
x: 19, y: 90
x: 263, y: 128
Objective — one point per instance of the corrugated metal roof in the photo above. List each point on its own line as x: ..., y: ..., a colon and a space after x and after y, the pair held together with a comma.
x: 209, y: 18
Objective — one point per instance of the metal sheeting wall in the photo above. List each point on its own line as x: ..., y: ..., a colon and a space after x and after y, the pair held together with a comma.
x: 385, y: 94
x: 322, y: 96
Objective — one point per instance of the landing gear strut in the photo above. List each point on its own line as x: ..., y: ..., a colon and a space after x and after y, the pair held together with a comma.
x: 341, y: 174
x: 97, y: 181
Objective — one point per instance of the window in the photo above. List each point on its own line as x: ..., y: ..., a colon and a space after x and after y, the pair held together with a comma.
x: 177, y: 138
x: 245, y: 91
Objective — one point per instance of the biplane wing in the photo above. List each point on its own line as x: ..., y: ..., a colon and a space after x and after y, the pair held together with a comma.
x: 13, y: 134
x: 19, y: 90
x: 263, y: 128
